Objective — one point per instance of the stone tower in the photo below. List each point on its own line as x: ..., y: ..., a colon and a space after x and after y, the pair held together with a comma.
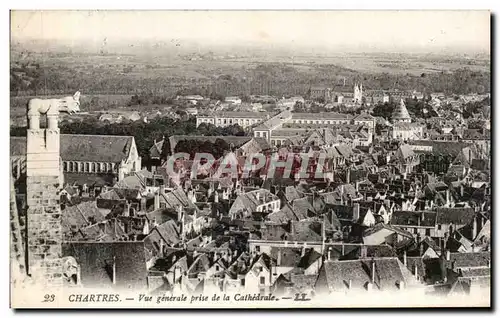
x: 43, y: 183
x: 400, y: 113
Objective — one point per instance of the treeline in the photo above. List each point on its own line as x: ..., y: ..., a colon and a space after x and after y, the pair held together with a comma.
x: 217, y: 148
x: 416, y: 109
x: 265, y: 79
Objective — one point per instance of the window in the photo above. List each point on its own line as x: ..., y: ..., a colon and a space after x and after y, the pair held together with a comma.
x: 415, y: 230
x: 428, y: 232
x: 257, y: 249
x: 217, y: 267
x: 439, y: 227
x: 242, y: 281
x: 262, y: 291
x: 262, y: 280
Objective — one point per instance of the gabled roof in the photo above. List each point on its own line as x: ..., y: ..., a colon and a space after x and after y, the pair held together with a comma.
x: 388, y: 272
x: 465, y: 260
x: 80, y: 215
x: 364, y: 116
x: 96, y: 261
x: 414, y: 218
x: 309, y: 258
x: 457, y: 216
x: 93, y: 148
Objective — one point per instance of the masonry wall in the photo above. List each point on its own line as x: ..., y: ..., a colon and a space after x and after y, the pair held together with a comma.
x: 43, y: 183
x: 44, y: 229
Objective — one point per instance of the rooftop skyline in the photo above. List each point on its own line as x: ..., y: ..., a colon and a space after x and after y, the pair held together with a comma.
x: 396, y: 31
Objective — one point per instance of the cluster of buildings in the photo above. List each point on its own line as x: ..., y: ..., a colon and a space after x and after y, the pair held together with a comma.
x: 407, y: 212
x: 339, y: 95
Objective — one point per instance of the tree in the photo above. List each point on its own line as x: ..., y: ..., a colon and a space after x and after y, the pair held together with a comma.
x: 166, y: 150
x: 383, y: 110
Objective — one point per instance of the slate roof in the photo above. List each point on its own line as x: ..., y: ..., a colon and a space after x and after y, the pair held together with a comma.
x: 414, y: 218
x: 451, y: 148
x: 290, y: 256
x: 90, y: 179
x: 457, y: 216
x: 464, y: 260
x: 80, y: 215
x: 169, y: 232
x: 388, y: 271
x: 96, y: 261
x: 309, y: 258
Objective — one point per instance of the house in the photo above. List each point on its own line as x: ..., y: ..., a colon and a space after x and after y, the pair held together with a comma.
x: 386, y: 234
x: 258, y: 277
x: 260, y: 200
x: 419, y: 223
x: 109, y: 265
x: 358, y: 276
x: 93, y: 160
x: 235, y: 100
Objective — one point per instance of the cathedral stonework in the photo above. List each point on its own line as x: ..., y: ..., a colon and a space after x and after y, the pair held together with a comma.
x: 43, y: 184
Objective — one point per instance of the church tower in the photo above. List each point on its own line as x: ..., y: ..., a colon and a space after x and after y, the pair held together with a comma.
x: 43, y: 182
x: 358, y: 93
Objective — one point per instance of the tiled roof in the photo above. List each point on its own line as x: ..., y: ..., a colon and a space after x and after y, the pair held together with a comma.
x: 309, y: 258
x: 90, y: 179
x: 228, y: 114
x: 441, y: 147
x: 94, y: 148
x: 288, y: 256
x: 388, y: 272
x: 321, y: 116
x: 96, y: 261
x: 400, y: 112
x: 464, y: 260
x: 80, y: 215
x: 414, y: 218
x: 456, y: 216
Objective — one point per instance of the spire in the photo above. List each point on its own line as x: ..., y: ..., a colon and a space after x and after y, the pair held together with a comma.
x: 400, y: 113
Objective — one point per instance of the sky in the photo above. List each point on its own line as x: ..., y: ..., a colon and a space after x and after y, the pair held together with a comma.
x: 378, y: 30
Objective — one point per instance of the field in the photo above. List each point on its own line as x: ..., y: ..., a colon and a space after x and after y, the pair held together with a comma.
x: 108, y: 81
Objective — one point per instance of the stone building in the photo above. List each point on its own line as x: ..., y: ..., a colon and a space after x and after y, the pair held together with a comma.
x: 86, y: 159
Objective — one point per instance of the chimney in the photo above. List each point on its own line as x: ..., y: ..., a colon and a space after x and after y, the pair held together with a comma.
x: 143, y: 204
x: 404, y: 257
x: 162, y: 189
x: 303, y: 252
x: 415, y: 271
x: 349, y: 284
x: 355, y: 212
x: 448, y: 255
x: 157, y: 200
x: 179, y: 213
x: 363, y: 251
x: 357, y: 186
x: 114, y: 270
x: 373, y: 271
x: 474, y: 228
x: 348, y: 176
x: 461, y: 191
x: 342, y: 194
